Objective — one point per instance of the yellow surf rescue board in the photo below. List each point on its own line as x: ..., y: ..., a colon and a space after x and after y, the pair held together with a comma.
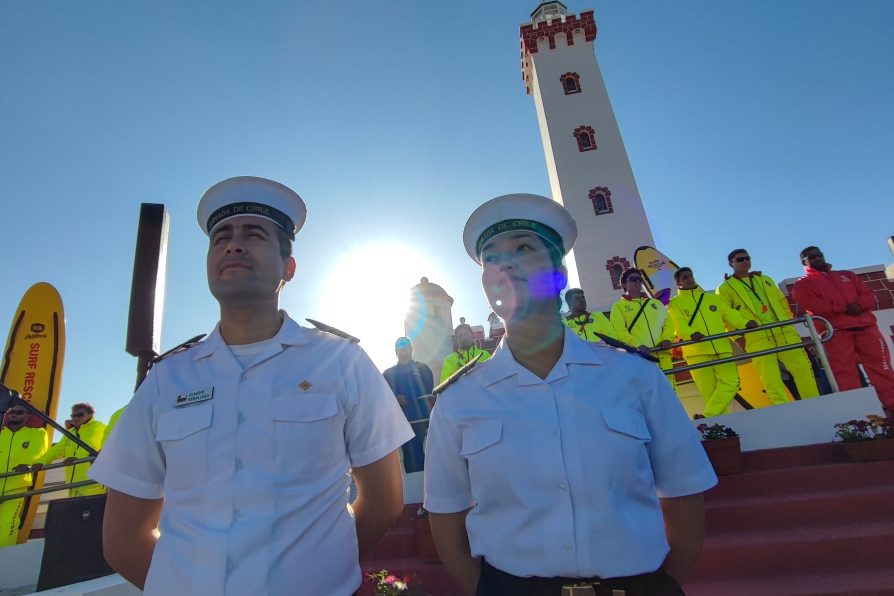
x: 32, y: 364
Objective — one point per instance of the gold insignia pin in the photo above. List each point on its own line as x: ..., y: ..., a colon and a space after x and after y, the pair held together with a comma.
x: 305, y: 385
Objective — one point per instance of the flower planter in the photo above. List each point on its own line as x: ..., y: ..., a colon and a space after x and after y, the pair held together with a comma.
x: 424, y: 540
x: 725, y: 455
x: 875, y: 450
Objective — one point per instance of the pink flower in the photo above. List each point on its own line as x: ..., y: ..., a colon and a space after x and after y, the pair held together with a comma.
x: 391, y: 579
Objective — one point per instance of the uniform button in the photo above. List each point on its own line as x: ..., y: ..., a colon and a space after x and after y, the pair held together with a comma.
x: 231, y: 566
x: 567, y: 547
x: 238, y: 464
x: 563, y: 487
x: 241, y: 418
x: 237, y: 515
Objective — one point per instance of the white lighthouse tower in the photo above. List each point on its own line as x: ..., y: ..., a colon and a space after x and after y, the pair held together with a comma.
x: 589, y: 171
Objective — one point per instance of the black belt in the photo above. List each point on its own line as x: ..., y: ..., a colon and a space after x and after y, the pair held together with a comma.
x: 494, y: 582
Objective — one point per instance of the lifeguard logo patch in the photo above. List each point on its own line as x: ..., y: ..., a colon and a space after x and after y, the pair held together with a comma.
x: 713, y: 308
x: 193, y: 397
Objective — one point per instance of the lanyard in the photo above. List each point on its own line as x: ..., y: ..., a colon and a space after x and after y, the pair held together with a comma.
x: 750, y: 286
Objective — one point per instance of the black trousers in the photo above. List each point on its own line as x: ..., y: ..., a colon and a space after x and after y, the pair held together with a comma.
x: 494, y: 582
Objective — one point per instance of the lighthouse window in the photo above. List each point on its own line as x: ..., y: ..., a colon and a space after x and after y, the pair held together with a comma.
x: 586, y: 138
x: 601, y: 197
x: 570, y: 82
x: 616, y: 272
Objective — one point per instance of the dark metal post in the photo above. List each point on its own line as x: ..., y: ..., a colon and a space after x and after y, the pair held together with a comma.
x: 147, y: 290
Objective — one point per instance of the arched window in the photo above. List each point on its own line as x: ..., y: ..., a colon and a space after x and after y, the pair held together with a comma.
x: 616, y: 272
x: 616, y: 266
x: 601, y: 197
x: 586, y: 138
x: 570, y: 82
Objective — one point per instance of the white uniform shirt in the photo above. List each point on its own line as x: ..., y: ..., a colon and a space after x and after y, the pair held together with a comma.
x: 563, y: 475
x: 255, y: 479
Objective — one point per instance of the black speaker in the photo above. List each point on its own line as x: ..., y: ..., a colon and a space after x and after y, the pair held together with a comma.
x: 72, y: 550
x: 148, y: 286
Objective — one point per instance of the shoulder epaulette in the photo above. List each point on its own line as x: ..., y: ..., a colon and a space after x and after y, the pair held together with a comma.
x: 333, y: 331
x: 177, y: 349
x: 456, y: 376
x: 610, y: 341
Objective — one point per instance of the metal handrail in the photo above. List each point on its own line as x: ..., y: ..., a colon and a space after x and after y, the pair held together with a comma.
x: 62, y: 464
x: 43, y: 491
x: 816, y: 341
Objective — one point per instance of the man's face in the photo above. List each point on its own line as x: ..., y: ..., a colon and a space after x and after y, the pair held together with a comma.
x: 518, y: 275
x: 464, y: 338
x: 578, y: 303
x: 686, y: 281
x: 244, y: 261
x: 815, y: 258
x: 404, y: 353
x: 741, y: 263
x: 80, y: 416
x: 634, y: 284
x: 17, y: 415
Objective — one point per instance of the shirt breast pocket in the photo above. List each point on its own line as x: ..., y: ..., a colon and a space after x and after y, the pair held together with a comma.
x: 183, y: 434
x: 309, y: 434
x: 628, y: 440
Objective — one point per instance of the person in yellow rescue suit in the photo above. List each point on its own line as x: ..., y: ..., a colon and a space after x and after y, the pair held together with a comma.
x: 642, y: 322
x: 113, y: 420
x: 696, y: 314
x: 759, y: 299
x: 465, y: 351
x: 91, y: 431
x: 586, y: 324
x: 20, y: 447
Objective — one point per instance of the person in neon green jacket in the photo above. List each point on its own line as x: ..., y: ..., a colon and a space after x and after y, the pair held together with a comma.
x: 465, y: 351
x: 113, y: 420
x: 586, y: 324
x: 20, y: 447
x: 91, y: 431
x: 757, y: 298
x: 641, y: 321
x: 697, y: 314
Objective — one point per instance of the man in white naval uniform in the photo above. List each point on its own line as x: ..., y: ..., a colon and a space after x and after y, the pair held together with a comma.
x: 559, y: 466
x: 241, y: 448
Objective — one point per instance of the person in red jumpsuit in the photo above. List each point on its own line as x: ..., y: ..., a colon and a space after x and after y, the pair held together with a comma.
x: 847, y: 302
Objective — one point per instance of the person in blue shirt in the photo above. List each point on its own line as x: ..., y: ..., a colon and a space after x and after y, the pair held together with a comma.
x: 410, y: 381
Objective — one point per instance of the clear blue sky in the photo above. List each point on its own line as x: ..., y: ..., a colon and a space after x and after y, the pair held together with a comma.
x: 763, y: 124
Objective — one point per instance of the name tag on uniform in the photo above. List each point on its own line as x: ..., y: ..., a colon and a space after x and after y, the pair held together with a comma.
x: 194, y: 397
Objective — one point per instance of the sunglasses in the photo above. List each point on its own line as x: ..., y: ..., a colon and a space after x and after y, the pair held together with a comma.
x: 78, y: 414
x: 742, y: 259
x: 16, y: 412
x: 631, y: 278
x: 813, y: 255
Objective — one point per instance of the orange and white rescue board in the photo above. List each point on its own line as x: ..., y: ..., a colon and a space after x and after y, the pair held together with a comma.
x: 32, y: 364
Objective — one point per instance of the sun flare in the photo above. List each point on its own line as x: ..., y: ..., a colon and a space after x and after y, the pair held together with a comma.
x: 368, y: 293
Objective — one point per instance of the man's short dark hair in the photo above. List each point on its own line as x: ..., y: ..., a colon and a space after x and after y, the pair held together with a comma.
x: 285, y: 243
x: 83, y: 406
x: 680, y: 272
x: 627, y: 273
x: 733, y: 253
x: 807, y: 250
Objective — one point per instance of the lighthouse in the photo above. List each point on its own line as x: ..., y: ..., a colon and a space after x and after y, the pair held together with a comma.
x: 589, y: 171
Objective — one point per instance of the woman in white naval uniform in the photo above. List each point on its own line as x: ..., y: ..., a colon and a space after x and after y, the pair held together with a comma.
x: 558, y: 462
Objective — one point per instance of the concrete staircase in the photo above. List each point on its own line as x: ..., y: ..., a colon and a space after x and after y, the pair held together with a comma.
x: 799, y: 521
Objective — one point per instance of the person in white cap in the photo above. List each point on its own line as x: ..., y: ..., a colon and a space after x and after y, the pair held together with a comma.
x: 240, y: 449
x: 559, y: 462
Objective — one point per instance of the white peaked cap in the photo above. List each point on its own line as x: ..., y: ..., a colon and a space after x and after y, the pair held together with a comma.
x: 519, y: 212
x: 249, y: 195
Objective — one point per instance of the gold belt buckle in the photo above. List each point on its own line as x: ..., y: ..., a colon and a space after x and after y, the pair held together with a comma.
x: 586, y: 589
x: 579, y: 589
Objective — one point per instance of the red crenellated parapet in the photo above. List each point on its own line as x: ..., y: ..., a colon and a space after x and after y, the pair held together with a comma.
x: 530, y: 33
